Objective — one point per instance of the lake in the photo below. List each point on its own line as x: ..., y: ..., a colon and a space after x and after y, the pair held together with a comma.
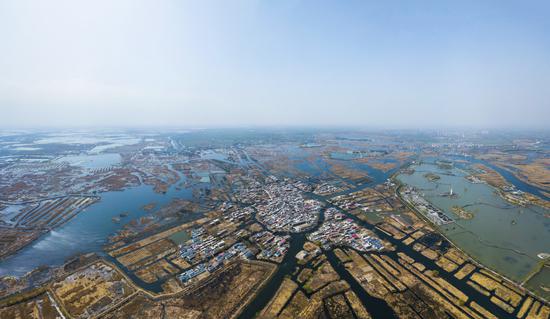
x: 501, y: 236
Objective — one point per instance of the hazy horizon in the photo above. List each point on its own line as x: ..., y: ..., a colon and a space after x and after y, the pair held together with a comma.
x: 468, y: 64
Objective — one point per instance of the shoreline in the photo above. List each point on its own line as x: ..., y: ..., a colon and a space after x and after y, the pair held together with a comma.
x: 474, y: 260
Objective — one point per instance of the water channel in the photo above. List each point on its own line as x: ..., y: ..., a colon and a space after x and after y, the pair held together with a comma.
x: 502, y: 236
x: 377, y: 308
x: 90, y: 229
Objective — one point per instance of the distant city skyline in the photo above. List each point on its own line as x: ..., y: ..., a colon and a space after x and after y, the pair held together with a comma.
x: 398, y: 64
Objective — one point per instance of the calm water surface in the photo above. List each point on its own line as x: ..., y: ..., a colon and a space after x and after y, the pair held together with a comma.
x: 504, y: 237
x: 89, y: 230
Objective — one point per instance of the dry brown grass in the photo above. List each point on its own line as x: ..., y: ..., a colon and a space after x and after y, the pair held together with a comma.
x: 283, y: 294
x: 91, y: 290
x: 357, y: 305
x: 536, y: 173
x: 464, y: 271
x: 38, y: 307
x: 490, y: 176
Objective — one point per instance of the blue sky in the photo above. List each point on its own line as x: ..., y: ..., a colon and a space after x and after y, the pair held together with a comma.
x: 242, y: 63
